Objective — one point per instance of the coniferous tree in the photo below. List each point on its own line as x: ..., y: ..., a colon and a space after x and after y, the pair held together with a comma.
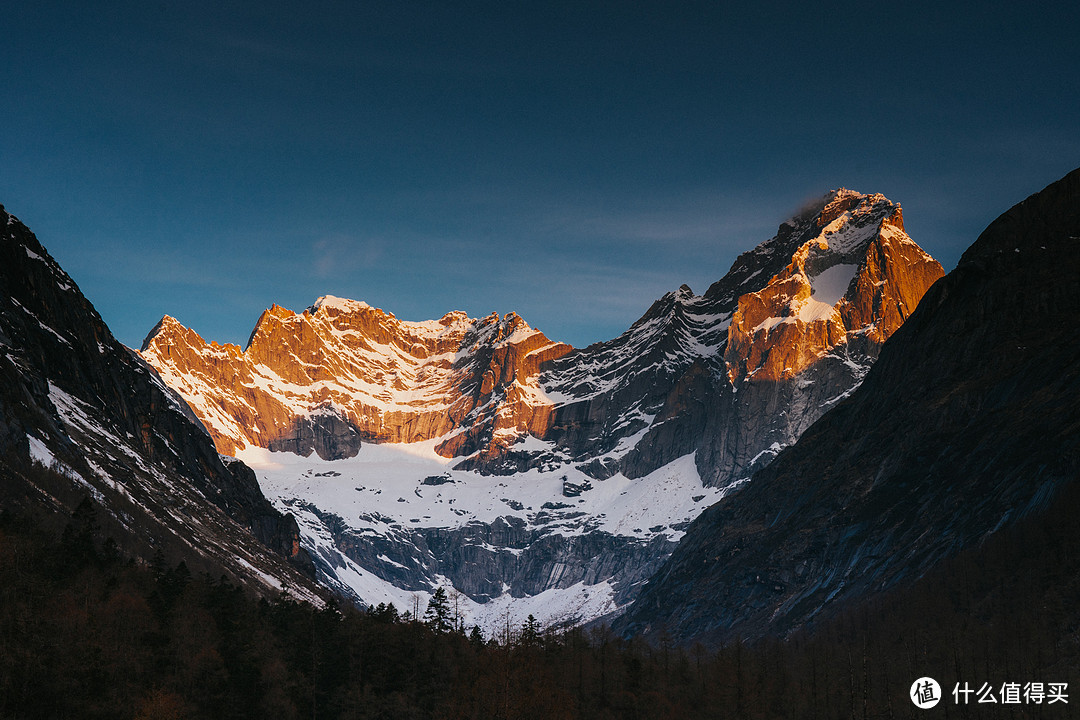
x: 530, y: 632
x: 438, y: 615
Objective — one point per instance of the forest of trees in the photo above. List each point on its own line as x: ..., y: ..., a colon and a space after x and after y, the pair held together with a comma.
x: 86, y: 632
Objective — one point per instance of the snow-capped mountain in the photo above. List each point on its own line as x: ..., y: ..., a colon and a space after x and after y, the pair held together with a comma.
x: 342, y: 372
x: 740, y: 372
x: 480, y: 454
x: 967, y: 424
x: 82, y: 416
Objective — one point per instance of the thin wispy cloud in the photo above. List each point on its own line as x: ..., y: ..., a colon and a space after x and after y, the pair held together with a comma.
x: 335, y: 255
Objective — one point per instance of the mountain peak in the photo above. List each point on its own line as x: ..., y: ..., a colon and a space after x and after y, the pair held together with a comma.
x: 392, y: 380
x: 847, y: 207
x: 167, y: 325
x: 340, y: 305
x: 801, y: 316
x: 851, y: 271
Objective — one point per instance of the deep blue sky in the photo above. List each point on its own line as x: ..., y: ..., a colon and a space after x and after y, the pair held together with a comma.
x: 571, y: 162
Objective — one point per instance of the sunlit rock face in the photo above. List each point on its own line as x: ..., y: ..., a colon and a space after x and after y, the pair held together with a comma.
x: 968, y: 423
x: 859, y: 276
x: 740, y: 372
x: 605, y: 454
x: 342, y: 372
x: 735, y: 374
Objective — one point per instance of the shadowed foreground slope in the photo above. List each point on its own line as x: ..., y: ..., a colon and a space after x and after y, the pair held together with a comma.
x: 969, y: 421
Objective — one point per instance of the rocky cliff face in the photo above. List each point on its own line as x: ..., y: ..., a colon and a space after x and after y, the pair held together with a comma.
x: 740, y: 372
x: 342, y: 372
x: 76, y: 401
x: 509, y: 557
x: 735, y: 374
x: 595, y: 459
x: 968, y: 422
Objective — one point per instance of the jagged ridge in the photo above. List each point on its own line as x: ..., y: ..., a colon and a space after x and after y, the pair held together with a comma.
x: 792, y: 326
x: 969, y: 421
x: 700, y: 389
x: 342, y: 372
x: 75, y: 400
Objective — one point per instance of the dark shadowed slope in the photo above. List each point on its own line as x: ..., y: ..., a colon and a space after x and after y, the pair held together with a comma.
x: 970, y: 420
x: 75, y: 400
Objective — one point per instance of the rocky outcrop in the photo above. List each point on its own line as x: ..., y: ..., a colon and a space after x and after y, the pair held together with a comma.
x: 740, y: 372
x: 700, y: 390
x: 342, y: 372
x: 968, y: 422
x: 735, y: 374
x: 854, y: 282
x: 75, y: 400
x: 485, y: 560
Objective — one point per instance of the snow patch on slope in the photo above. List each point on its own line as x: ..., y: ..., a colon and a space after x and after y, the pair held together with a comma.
x: 387, y: 481
x: 829, y: 286
x: 392, y: 490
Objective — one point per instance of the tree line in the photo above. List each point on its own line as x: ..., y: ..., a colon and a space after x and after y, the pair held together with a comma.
x: 86, y: 632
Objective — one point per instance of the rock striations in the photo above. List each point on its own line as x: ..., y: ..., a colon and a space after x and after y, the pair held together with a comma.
x: 342, y: 372
x: 603, y: 454
x: 81, y: 416
x: 969, y: 421
x: 736, y: 374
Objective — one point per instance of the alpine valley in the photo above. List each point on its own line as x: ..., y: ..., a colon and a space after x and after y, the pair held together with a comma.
x: 830, y: 423
x: 525, y: 476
